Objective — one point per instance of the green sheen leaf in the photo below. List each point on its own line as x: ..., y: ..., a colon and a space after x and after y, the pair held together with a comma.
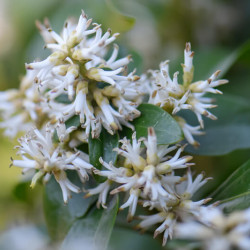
x: 22, y: 192
x: 137, y: 62
x: 182, y: 244
x: 206, y: 62
x: 221, y: 140
x: 240, y: 202
x: 63, y: 99
x: 73, y: 121
x: 59, y: 217
x: 102, y: 147
x: 124, y: 239
x: 95, y: 151
x: 234, y: 193
x: 166, y: 128
x: 109, y: 143
x: 219, y: 59
x: 229, y: 132
x: 94, y: 231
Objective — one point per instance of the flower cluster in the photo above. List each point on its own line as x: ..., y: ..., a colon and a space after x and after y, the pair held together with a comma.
x: 43, y: 157
x: 173, y: 97
x: 77, y: 78
x: 21, y: 109
x: 83, y: 79
x: 149, y: 174
x: 218, y: 231
x: 97, y: 88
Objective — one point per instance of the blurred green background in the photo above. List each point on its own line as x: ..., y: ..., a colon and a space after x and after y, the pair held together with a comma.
x: 152, y: 31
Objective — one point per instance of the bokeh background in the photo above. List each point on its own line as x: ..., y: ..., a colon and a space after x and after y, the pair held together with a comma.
x: 152, y: 31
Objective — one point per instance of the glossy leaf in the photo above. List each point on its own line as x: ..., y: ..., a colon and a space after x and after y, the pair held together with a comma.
x: 207, y: 62
x: 166, y: 128
x: 109, y: 143
x: 123, y: 239
x: 102, y: 147
x: 182, y: 244
x: 95, y: 151
x: 22, y: 192
x: 235, y: 184
x: 229, y: 132
x: 234, y: 193
x: 221, y: 140
x: 73, y: 121
x: 93, y: 231
x: 63, y: 99
x: 240, y: 202
x: 59, y: 217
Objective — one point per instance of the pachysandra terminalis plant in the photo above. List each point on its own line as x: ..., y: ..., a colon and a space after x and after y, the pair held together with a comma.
x: 86, y: 81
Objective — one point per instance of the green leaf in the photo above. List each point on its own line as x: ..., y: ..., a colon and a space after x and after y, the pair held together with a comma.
x: 137, y: 62
x: 95, y: 151
x: 206, y: 62
x: 109, y: 143
x: 234, y: 193
x: 219, y: 59
x: 182, y: 244
x: 221, y: 140
x: 229, y: 132
x: 124, y: 239
x: 93, y: 231
x: 63, y: 99
x: 102, y: 147
x: 73, y: 121
x: 22, y: 192
x: 59, y: 217
x: 166, y: 128
x: 240, y: 202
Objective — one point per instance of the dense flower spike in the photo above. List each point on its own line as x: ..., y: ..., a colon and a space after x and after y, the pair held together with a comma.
x: 143, y: 173
x: 173, y: 97
x: 97, y: 88
x: 41, y: 155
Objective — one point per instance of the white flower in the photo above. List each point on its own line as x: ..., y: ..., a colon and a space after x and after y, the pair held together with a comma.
x: 177, y: 208
x: 188, y: 58
x: 218, y: 231
x: 20, y: 109
x: 98, y: 90
x: 168, y: 221
x: 168, y: 94
x: 39, y: 153
x: 143, y: 172
x: 62, y: 131
x: 189, y: 131
x: 102, y: 189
